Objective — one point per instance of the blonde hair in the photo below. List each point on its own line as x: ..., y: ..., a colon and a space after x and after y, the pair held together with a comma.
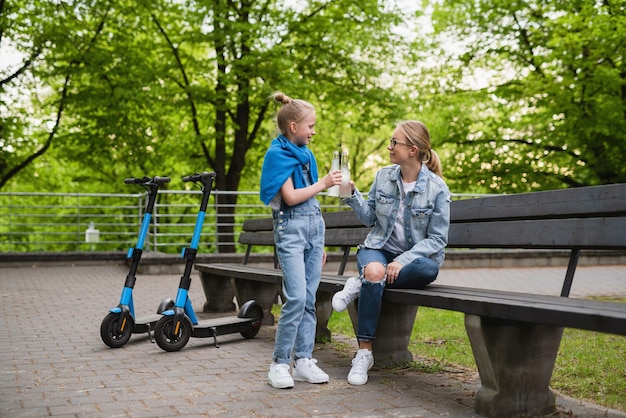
x: 417, y: 134
x: 293, y: 110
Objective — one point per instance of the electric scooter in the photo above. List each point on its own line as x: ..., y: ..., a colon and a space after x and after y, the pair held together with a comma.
x: 177, y: 325
x: 120, y: 322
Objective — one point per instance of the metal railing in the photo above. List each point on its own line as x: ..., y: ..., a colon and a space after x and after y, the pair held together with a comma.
x: 63, y: 222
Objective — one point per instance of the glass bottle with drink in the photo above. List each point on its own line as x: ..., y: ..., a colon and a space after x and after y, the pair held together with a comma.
x: 344, y: 188
x: 334, y: 190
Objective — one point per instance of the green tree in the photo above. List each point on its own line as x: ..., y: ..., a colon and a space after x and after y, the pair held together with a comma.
x: 318, y: 53
x: 29, y: 116
x: 174, y: 87
x: 535, y: 96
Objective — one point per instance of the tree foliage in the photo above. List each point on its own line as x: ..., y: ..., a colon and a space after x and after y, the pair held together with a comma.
x: 172, y: 87
x: 519, y: 95
x: 535, y: 94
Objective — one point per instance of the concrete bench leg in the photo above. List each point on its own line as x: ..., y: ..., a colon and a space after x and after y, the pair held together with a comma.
x: 395, y: 325
x: 515, y: 361
x: 323, y: 310
x: 219, y: 293
x: 264, y: 294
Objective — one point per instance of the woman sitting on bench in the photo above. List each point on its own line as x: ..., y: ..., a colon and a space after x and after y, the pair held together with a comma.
x: 408, y: 206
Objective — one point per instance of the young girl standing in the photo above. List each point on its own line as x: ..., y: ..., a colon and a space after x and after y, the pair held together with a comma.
x: 289, y: 183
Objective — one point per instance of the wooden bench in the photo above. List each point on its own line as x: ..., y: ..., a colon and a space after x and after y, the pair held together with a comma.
x: 514, y: 336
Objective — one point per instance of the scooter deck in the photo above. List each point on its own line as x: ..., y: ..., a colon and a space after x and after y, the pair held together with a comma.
x: 146, y: 323
x: 221, y: 326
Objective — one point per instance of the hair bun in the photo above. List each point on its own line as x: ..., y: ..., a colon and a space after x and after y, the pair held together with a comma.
x: 282, y: 97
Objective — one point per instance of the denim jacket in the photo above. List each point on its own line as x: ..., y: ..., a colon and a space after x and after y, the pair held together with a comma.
x: 427, y: 213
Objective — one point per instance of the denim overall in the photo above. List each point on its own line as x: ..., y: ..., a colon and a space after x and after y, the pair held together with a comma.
x: 299, y: 239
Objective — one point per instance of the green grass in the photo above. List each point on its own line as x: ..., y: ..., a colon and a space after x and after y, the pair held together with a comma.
x: 590, y: 365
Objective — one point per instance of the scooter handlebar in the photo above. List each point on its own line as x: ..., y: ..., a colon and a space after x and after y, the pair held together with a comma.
x: 136, y: 180
x: 205, y: 177
x: 146, y: 180
x: 161, y: 180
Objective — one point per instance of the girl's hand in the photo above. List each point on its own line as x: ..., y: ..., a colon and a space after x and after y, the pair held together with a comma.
x: 324, y: 258
x: 332, y: 179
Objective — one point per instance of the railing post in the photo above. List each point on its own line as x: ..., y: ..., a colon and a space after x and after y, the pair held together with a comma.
x: 79, y: 233
x: 215, y: 206
x: 10, y: 222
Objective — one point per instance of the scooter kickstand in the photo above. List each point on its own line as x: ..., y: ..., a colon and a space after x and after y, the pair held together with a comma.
x: 214, y: 332
x: 150, y: 336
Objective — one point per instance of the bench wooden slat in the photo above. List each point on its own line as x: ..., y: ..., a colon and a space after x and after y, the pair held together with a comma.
x: 437, y: 290
x: 330, y: 282
x: 593, y: 233
x: 345, y: 237
x: 594, y: 201
x: 257, y: 238
x: 342, y: 219
x: 241, y: 271
x: 334, y: 237
x: 264, y: 224
x: 550, y: 310
x: 338, y: 219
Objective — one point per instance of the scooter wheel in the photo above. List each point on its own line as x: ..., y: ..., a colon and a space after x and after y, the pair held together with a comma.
x: 111, y: 334
x: 256, y: 313
x: 168, y: 338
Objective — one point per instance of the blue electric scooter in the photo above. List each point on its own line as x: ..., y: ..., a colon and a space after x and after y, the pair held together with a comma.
x: 177, y: 325
x: 120, y: 323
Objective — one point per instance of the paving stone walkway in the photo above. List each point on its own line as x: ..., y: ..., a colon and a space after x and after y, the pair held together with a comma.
x: 53, y: 362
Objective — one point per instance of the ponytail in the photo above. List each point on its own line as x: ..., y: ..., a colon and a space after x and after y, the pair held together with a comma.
x: 433, y: 162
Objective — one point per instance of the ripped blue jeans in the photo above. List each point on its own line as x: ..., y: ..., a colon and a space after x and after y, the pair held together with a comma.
x: 416, y: 275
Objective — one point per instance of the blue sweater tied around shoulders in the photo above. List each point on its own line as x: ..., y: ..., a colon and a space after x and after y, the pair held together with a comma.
x: 282, y: 160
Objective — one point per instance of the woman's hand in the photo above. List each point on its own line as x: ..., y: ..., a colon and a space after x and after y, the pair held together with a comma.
x: 393, y: 269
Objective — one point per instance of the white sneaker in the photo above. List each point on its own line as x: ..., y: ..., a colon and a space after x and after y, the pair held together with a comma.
x: 279, y: 376
x: 361, y: 363
x: 350, y: 291
x: 306, y: 370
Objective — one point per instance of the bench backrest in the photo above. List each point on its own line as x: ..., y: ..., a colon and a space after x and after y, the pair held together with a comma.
x: 581, y: 218
x: 259, y: 231
x: 592, y: 218
x: 343, y: 229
